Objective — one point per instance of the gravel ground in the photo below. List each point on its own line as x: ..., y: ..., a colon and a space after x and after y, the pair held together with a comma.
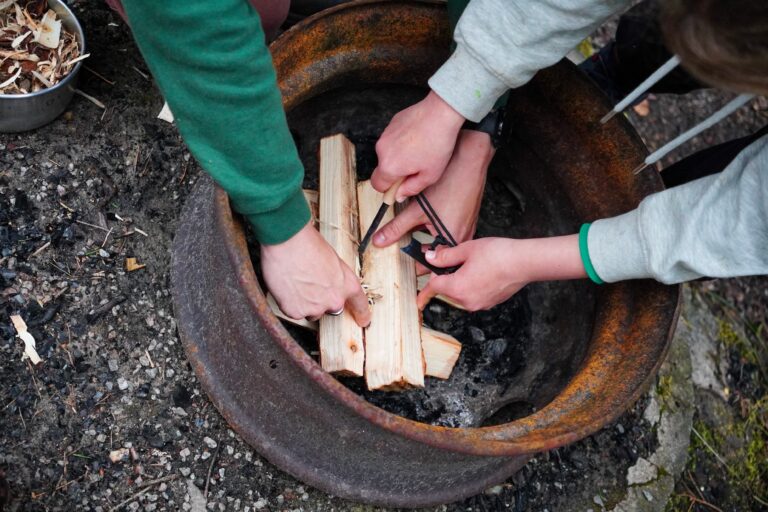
x: 115, y: 412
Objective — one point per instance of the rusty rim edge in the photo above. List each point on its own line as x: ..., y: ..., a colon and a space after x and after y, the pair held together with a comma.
x: 226, y: 406
x: 462, y: 440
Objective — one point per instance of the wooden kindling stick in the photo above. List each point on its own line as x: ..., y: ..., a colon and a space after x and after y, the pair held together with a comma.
x: 394, y: 358
x: 341, y: 339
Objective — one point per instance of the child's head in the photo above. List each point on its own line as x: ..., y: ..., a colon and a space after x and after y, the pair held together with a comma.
x: 722, y: 42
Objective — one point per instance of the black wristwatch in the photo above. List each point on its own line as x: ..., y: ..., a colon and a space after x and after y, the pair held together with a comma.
x: 492, y: 124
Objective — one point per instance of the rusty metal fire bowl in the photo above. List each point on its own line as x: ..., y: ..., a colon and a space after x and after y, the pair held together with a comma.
x: 591, y: 351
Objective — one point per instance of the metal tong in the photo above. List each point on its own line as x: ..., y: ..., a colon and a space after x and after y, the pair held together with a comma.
x: 443, y: 237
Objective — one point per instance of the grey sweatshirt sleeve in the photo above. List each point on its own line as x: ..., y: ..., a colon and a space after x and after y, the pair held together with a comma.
x: 715, y: 227
x: 502, y: 43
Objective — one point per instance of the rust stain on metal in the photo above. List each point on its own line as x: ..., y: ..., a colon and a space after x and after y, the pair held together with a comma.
x: 301, y: 418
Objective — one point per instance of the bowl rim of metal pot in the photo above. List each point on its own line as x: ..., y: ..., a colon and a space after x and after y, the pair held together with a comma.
x: 67, y: 17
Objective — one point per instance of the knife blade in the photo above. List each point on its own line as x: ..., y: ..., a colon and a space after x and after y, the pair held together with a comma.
x: 389, y: 199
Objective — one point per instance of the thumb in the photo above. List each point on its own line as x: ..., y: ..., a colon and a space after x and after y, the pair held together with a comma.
x: 448, y: 256
x: 401, y: 225
x: 382, y: 181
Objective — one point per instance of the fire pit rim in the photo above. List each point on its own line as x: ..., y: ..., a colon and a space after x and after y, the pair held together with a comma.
x: 501, y: 440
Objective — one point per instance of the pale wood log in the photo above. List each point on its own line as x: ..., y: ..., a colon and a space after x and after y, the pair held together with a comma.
x: 313, y: 200
x: 410, y: 318
x: 441, y: 351
x: 303, y: 322
x: 341, y: 339
x: 393, y: 349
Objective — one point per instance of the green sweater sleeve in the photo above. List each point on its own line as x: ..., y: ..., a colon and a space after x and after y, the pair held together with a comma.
x: 214, y: 69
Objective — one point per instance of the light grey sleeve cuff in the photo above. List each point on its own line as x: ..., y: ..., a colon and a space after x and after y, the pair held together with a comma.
x: 616, y: 248
x: 467, y: 85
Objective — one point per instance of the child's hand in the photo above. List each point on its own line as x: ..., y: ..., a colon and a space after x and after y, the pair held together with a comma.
x: 456, y: 196
x: 494, y: 269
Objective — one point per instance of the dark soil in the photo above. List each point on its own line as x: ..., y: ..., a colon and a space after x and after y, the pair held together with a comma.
x: 114, y: 374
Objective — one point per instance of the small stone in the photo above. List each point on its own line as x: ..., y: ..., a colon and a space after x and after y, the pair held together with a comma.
x: 436, y: 309
x: 119, y: 454
x: 185, y: 453
x: 185, y: 472
x: 210, y: 443
x: 101, y: 438
x: 122, y: 384
x: 643, y: 471
x: 648, y: 495
x: 112, y: 363
x: 495, y: 348
x: 103, y: 253
x: 493, y: 491
x: 598, y: 501
x: 260, y: 504
x: 156, y: 442
x: 620, y: 428
x: 477, y: 334
x: 652, y: 413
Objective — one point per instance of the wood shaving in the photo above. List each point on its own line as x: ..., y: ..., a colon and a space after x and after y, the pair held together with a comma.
x: 36, y: 50
x: 131, y: 265
x: 26, y: 337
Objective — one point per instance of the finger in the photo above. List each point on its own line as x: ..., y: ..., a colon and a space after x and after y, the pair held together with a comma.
x: 357, y: 303
x: 401, y: 225
x: 381, y: 181
x: 421, y: 269
x: 433, y: 288
x: 449, y: 256
x: 412, y: 185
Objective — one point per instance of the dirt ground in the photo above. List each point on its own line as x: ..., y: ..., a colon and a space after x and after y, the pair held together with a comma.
x: 95, y: 187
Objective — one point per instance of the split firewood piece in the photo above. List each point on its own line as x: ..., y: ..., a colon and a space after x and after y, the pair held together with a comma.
x: 422, y: 281
x: 306, y: 324
x: 394, y: 358
x: 441, y: 351
x: 313, y: 201
x: 341, y: 339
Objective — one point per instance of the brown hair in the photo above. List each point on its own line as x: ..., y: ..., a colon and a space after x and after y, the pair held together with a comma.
x: 721, y: 42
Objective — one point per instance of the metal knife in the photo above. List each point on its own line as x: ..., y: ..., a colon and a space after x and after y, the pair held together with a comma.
x: 389, y: 199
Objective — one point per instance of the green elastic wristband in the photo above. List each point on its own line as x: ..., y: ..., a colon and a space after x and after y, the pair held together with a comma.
x: 584, y: 251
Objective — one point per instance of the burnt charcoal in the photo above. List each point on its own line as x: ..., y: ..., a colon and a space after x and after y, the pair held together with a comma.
x: 181, y: 396
x: 45, y: 316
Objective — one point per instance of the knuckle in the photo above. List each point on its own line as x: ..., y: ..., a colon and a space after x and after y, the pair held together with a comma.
x: 473, y: 305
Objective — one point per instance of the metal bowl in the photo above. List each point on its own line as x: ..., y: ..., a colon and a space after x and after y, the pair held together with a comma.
x: 22, y: 112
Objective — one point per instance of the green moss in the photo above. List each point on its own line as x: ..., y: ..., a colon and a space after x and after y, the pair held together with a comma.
x: 678, y: 503
x: 731, y: 339
x: 664, y: 390
x: 747, y: 465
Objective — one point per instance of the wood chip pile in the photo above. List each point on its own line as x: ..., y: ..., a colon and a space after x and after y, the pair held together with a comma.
x: 36, y: 50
